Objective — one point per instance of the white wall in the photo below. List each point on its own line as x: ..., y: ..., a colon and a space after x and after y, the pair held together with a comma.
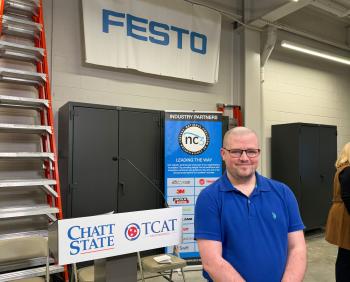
x: 73, y: 81
x: 299, y: 88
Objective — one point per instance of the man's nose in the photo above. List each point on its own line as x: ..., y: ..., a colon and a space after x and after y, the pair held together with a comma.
x: 244, y: 156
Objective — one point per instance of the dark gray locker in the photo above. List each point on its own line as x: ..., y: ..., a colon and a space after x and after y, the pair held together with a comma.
x: 94, y: 173
x: 303, y: 156
x: 139, y: 149
x: 98, y: 149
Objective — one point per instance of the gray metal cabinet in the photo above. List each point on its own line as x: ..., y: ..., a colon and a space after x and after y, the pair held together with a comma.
x: 101, y: 149
x: 303, y: 157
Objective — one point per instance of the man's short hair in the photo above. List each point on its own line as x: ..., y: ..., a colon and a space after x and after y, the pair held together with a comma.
x: 238, y: 131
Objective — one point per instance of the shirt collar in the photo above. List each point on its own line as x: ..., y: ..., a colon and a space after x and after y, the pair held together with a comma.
x: 261, y: 184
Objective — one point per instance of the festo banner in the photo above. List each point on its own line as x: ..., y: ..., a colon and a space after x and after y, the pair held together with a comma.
x: 163, y: 37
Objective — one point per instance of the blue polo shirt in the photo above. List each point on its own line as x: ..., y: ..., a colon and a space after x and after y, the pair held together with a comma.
x: 253, y: 230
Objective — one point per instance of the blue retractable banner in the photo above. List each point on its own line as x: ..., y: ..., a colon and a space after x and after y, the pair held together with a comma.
x: 192, y: 162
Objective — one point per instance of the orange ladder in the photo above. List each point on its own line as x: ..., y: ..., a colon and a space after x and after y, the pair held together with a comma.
x: 29, y: 183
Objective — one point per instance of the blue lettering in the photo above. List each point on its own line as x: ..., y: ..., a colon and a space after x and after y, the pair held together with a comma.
x: 110, y: 241
x: 111, y: 228
x: 74, y: 248
x: 165, y: 226
x: 180, y: 32
x: 101, y: 239
x: 146, y: 226
x: 137, y: 28
x: 85, y: 241
x: 106, y: 22
x: 93, y: 244
x: 131, y: 26
x: 152, y: 28
x: 95, y: 232
x: 70, y: 233
x: 203, y: 38
x: 86, y: 231
x: 152, y: 227
x: 173, y: 223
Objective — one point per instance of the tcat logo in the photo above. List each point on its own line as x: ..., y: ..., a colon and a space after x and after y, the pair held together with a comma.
x: 85, y: 239
x: 149, y: 228
x: 193, y: 139
x: 132, y: 232
x: 160, y: 33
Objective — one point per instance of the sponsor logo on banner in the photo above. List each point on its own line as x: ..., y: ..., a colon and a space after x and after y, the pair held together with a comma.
x: 186, y: 248
x: 188, y: 228
x: 180, y: 182
x: 88, y: 239
x: 179, y: 191
x: 194, y: 139
x: 188, y: 210
x: 181, y: 200
x: 158, y: 31
x: 188, y: 238
x: 188, y: 219
x: 205, y: 181
x: 149, y: 228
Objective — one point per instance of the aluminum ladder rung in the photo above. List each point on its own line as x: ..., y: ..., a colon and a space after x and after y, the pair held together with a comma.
x: 24, y: 128
x: 21, y: 52
x: 6, y: 236
x: 22, y: 77
x: 17, y: 265
x: 30, y: 273
x: 27, y: 155
x: 29, y: 211
x: 21, y: 8
x: 44, y: 184
x: 22, y: 102
x: 20, y: 27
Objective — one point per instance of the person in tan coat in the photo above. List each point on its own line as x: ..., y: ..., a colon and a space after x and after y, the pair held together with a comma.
x: 338, y: 223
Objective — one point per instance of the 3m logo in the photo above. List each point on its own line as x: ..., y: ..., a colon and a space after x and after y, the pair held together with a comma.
x: 180, y: 191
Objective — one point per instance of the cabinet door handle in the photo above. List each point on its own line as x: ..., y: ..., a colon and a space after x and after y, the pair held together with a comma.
x: 122, y: 187
x: 115, y: 158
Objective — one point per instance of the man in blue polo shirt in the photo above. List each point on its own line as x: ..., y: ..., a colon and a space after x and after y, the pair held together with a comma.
x: 248, y: 227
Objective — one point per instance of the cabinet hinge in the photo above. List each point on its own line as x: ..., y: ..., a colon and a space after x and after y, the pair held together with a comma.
x: 157, y: 120
x: 72, y: 114
x: 71, y: 187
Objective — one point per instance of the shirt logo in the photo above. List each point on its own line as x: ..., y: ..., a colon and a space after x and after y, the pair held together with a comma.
x: 274, y: 216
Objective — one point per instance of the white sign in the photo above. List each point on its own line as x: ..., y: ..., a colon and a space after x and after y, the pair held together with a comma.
x: 95, y: 237
x: 164, y: 37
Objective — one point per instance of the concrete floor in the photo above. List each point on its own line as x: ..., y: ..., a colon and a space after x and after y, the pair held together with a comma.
x: 321, y: 260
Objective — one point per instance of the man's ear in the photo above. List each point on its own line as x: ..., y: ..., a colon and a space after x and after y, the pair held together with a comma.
x: 222, y: 153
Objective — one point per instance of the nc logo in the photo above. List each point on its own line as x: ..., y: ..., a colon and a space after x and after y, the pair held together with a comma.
x: 193, y: 139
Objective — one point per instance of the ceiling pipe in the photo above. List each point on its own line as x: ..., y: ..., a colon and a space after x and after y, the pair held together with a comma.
x: 331, y: 7
x: 269, y: 45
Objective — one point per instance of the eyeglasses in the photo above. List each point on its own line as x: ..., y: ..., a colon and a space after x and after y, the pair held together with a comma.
x: 237, y: 153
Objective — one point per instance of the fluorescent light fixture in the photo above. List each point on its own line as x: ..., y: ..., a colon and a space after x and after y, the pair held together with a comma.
x: 314, y: 52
